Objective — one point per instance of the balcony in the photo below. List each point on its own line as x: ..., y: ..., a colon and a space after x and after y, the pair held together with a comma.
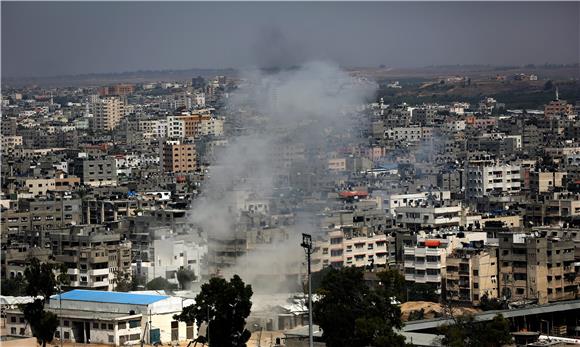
x: 433, y: 278
x: 433, y: 265
x: 99, y: 272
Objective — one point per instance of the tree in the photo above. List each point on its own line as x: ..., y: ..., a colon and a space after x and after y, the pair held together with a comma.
x: 160, y: 283
x: 123, y: 281
x: 44, y: 280
x: 465, y: 331
x: 226, y: 305
x: 352, y: 314
x: 487, y: 304
x: 393, y: 282
x: 185, y: 277
x: 14, y: 286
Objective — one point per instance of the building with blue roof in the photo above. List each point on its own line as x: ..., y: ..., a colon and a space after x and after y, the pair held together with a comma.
x: 112, y: 318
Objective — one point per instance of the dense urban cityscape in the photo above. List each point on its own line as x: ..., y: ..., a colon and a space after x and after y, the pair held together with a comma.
x: 305, y: 205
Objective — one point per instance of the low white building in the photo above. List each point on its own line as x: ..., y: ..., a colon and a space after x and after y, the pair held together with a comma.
x: 391, y: 202
x: 112, y: 318
x: 168, y: 256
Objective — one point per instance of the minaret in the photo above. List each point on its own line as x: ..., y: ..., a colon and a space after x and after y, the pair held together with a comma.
x: 557, y: 97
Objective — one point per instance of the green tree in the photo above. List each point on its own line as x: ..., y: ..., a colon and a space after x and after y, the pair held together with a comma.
x: 352, y: 314
x: 160, y: 283
x: 465, y: 331
x: 44, y: 280
x: 185, y: 277
x: 393, y: 282
x: 486, y: 303
x: 14, y: 286
x: 226, y: 305
x: 123, y: 281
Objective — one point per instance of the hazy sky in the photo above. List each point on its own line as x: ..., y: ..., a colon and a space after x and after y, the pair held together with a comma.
x: 44, y: 39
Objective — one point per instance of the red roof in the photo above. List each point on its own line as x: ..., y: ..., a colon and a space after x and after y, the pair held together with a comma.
x: 352, y: 194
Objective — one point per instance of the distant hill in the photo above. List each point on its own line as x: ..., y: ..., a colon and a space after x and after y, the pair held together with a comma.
x: 92, y: 80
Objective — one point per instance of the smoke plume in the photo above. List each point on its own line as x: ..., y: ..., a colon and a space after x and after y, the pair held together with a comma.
x: 282, y: 121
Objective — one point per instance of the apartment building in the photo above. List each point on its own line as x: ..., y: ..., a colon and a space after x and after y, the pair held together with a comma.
x: 394, y: 201
x: 34, y: 219
x: 96, y: 172
x: 179, y: 157
x: 426, y: 261
x: 343, y: 248
x: 429, y: 215
x: 471, y: 272
x: 39, y: 186
x: 168, y: 255
x: 554, y: 208
x: 425, y: 256
x: 557, y: 108
x: 535, y: 267
x: 492, y: 179
x: 194, y: 125
x: 11, y: 141
x: 107, y: 113
x: 118, y: 89
x: 543, y: 182
x: 409, y: 134
x: 153, y: 127
x: 92, y: 255
x: 15, y: 258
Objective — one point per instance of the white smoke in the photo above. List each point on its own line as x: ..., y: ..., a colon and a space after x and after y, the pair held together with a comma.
x: 307, y: 106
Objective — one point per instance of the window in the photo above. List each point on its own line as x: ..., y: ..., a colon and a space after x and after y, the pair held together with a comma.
x: 66, y: 335
x: 95, y: 325
x: 111, y: 339
x: 103, y: 326
x: 13, y: 319
x: 122, y: 325
x: 110, y: 326
x: 22, y: 331
x: 134, y: 323
x: 66, y: 323
x: 13, y: 331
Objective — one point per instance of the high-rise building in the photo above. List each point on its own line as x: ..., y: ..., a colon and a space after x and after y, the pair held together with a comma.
x: 178, y: 157
x: 107, y: 113
x: 471, y: 274
x: 490, y: 179
x: 536, y: 268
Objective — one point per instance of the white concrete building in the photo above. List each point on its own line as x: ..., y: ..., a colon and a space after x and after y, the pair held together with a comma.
x: 394, y: 201
x: 341, y: 250
x: 490, y: 179
x: 112, y: 318
x: 175, y: 127
x: 425, y: 261
x: 168, y: 255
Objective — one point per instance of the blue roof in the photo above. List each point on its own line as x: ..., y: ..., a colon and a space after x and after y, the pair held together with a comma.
x: 110, y: 297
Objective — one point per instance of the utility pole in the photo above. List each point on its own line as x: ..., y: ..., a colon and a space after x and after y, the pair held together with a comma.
x: 60, y: 314
x: 307, y: 245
